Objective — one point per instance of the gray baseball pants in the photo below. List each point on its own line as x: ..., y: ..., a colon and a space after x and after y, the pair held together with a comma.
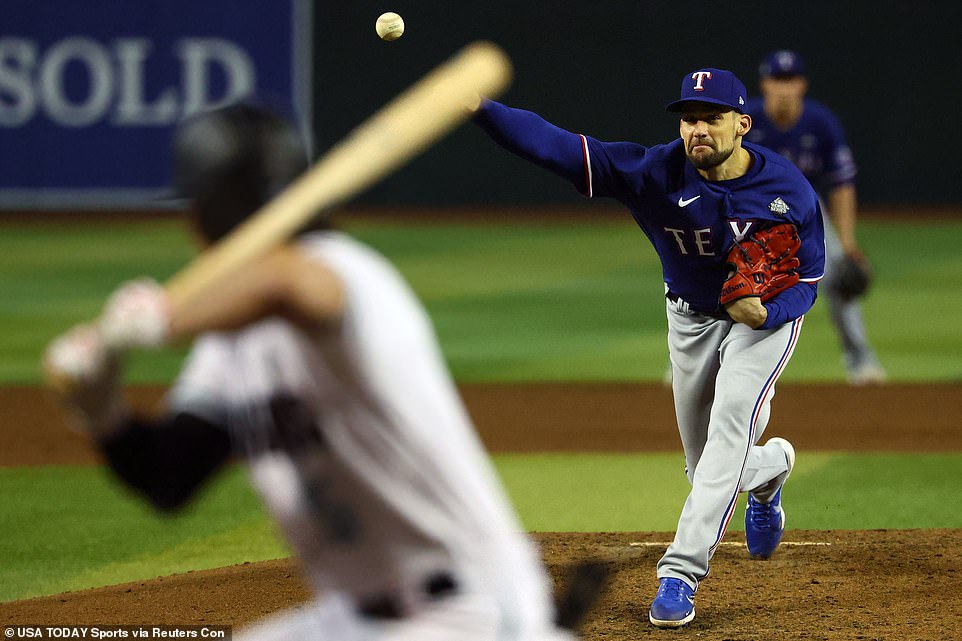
x: 846, y: 315
x: 723, y: 380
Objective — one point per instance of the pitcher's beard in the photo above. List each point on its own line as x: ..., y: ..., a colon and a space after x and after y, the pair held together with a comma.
x: 713, y: 159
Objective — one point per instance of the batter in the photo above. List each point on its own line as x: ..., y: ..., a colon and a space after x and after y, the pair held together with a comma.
x: 318, y: 366
x: 693, y: 198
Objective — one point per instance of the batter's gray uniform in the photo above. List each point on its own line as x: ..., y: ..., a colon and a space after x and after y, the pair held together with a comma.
x: 361, y: 449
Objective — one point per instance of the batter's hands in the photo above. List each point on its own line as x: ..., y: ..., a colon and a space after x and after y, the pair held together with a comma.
x: 85, y: 374
x: 749, y: 311
x: 137, y: 315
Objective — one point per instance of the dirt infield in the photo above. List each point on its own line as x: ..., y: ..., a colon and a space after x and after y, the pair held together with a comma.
x: 878, y: 585
x: 586, y: 417
x: 872, y: 586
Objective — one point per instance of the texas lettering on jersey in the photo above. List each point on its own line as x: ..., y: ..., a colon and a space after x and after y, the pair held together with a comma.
x: 690, y: 221
x: 703, y: 243
x: 693, y: 224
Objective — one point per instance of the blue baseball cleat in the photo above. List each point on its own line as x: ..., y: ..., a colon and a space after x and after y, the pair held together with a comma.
x: 765, y: 522
x: 764, y: 525
x: 674, y: 605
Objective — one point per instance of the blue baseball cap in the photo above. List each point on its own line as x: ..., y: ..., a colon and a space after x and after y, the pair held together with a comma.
x: 782, y: 64
x: 714, y: 86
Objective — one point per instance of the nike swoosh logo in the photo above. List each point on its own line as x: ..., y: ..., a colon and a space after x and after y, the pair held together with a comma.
x: 684, y: 203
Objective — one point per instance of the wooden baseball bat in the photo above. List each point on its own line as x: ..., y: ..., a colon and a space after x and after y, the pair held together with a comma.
x: 415, y: 119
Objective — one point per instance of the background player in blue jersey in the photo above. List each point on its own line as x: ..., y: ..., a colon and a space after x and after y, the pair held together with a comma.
x: 693, y: 198
x: 809, y: 134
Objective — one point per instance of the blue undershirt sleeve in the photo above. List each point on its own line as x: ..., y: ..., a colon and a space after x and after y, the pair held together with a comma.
x: 790, y: 304
x: 531, y: 137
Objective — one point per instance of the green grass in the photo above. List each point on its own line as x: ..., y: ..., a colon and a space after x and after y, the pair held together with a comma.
x: 526, y: 301
x: 69, y: 528
x: 583, y: 301
x: 512, y: 302
x: 53, y: 276
x: 645, y: 492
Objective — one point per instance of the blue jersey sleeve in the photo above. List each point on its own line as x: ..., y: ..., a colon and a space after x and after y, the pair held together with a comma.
x: 837, y: 160
x: 594, y: 167
x: 615, y: 169
x: 790, y: 304
x: 795, y: 301
x: 811, y: 253
x: 531, y: 137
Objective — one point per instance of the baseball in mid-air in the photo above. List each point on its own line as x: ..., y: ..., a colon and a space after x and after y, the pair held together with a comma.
x: 389, y: 26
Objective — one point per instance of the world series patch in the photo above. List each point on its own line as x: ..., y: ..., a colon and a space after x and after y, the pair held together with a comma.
x: 778, y: 206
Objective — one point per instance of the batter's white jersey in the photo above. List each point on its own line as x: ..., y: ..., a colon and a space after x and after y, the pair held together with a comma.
x: 362, y: 450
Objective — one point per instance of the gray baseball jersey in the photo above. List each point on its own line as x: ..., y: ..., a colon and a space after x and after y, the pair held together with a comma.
x: 361, y: 449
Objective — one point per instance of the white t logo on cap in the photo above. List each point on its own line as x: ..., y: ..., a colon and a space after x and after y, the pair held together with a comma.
x: 698, y: 76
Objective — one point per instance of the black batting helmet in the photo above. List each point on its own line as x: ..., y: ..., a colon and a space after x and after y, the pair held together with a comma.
x: 230, y: 161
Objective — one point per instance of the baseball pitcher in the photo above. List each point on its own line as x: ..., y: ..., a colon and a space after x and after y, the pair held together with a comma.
x: 739, y: 234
